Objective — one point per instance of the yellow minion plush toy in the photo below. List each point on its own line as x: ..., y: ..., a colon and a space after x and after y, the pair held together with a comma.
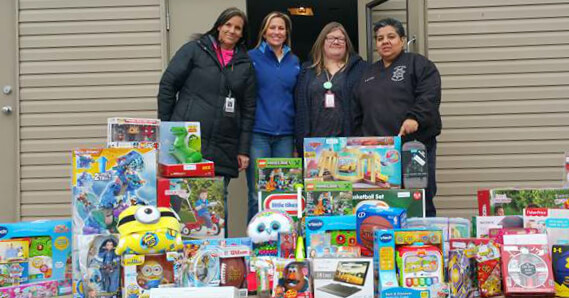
x: 148, y: 230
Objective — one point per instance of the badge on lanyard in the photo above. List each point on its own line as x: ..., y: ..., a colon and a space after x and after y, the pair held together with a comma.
x: 329, y: 100
x: 229, y: 104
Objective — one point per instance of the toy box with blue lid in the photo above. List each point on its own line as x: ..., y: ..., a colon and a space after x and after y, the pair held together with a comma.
x: 35, y: 258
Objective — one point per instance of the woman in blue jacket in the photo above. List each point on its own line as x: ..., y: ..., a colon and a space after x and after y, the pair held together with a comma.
x: 276, y: 69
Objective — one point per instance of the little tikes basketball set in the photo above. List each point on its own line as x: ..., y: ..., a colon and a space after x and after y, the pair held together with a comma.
x: 412, y: 200
x: 376, y: 216
x: 417, y: 255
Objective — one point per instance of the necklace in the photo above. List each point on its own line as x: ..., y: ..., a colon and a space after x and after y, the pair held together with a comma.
x: 328, y: 84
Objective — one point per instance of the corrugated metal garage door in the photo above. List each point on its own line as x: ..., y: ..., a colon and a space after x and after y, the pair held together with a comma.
x: 81, y: 61
x: 505, y: 75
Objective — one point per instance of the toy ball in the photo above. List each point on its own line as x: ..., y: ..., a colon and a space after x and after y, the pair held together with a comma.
x: 368, y: 225
x: 265, y: 226
x: 148, y: 230
x: 233, y: 272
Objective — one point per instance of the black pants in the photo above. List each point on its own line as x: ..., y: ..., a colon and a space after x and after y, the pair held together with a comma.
x: 431, y: 190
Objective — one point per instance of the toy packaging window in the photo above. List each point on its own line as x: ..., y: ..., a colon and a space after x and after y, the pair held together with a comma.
x: 264, y: 228
x: 98, y: 268
x: 198, y: 202
x: 132, y: 133
x: 292, y: 279
x: 144, y: 272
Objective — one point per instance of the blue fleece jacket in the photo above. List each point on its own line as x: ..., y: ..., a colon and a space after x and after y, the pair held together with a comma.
x: 275, y: 89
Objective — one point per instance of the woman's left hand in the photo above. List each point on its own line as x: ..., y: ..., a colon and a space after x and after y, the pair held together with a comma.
x: 243, y: 161
x: 409, y: 126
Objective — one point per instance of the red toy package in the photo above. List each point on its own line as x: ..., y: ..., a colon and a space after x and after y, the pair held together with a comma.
x: 526, y: 265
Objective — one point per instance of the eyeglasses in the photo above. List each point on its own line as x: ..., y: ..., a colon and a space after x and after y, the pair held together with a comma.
x: 340, y: 40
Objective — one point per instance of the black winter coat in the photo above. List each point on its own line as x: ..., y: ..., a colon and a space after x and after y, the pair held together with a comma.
x: 354, y: 70
x: 202, y: 84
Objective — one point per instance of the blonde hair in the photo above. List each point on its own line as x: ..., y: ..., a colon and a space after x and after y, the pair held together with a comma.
x: 317, y: 51
x: 265, y: 26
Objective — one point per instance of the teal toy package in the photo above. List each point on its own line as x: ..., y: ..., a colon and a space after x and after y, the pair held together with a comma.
x: 36, y: 254
x: 329, y: 232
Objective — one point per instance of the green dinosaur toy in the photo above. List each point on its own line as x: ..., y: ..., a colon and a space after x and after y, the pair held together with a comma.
x: 180, y: 149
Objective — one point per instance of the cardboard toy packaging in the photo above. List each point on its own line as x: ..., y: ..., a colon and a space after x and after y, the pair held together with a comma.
x: 343, y: 277
x: 409, y: 247
x: 526, y: 265
x: 35, y: 258
x: 367, y: 162
x: 373, y: 216
x: 292, y: 279
x: 329, y: 198
x: 566, y: 172
x: 278, y: 174
x: 132, y: 133
x: 483, y: 224
x: 180, y: 151
x: 107, y: 181
x: 461, y: 274
x: 512, y: 201
x: 144, y: 272
x: 328, y: 232
x: 451, y: 227
x: 198, y: 202
x: 553, y: 222
x: 560, y: 258
x: 412, y: 200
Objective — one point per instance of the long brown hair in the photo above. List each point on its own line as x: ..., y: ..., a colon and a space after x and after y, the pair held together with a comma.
x: 317, y: 51
x: 265, y: 26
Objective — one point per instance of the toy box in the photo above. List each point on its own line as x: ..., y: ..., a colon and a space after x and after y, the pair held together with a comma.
x: 373, y: 216
x: 96, y: 268
x: 497, y: 234
x: 413, y: 246
x: 451, y: 227
x: 526, y: 265
x: 287, y: 245
x: 278, y: 174
x: 35, y: 254
x: 144, y: 272
x: 487, y: 277
x: 284, y: 202
x: 339, y: 230
x: 343, y: 278
x: 560, y: 257
x: 198, y: 202
x: 329, y: 198
x: 367, y: 162
x: 217, y: 292
x: 512, y: 201
x: 483, y: 224
x: 412, y: 200
x: 553, y: 222
x: 292, y: 279
x: 461, y: 274
x: 107, y: 181
x: 132, y: 133
x: 180, y: 151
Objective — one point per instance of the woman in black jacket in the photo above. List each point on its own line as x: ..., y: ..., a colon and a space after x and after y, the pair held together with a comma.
x: 323, y: 94
x: 211, y: 80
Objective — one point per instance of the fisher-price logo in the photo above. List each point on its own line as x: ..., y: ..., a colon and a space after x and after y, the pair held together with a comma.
x: 536, y: 212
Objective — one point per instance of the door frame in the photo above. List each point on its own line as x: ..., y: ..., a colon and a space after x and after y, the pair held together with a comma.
x: 10, y: 154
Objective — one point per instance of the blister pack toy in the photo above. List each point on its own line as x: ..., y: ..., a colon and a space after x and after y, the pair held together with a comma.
x: 198, y: 202
x: 106, y: 182
x: 99, y: 271
x: 132, y: 133
x: 144, y: 272
x: 278, y: 174
x: 292, y: 279
x: 180, y: 151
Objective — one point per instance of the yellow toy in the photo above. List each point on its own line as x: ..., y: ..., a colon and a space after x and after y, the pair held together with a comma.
x: 148, y: 230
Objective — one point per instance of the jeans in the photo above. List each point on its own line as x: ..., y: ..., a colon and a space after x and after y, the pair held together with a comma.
x: 263, y: 145
x: 431, y: 190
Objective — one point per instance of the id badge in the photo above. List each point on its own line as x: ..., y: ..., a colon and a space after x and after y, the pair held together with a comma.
x: 229, y: 105
x: 329, y: 100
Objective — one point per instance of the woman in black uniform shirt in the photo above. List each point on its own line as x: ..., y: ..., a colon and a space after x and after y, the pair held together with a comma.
x: 400, y: 95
